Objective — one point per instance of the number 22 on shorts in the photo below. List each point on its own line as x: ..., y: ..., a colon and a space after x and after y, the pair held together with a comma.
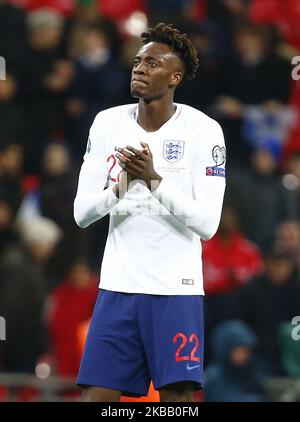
x: 193, y: 338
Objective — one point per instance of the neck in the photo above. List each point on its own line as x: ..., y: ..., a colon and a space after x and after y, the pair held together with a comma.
x: 152, y: 114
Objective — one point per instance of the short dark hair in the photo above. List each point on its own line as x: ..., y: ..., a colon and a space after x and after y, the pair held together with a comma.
x: 179, y: 44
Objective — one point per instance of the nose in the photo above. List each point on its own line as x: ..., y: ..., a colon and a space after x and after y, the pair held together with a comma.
x: 139, y: 68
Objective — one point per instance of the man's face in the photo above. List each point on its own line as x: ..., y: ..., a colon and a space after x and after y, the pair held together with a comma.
x: 156, y: 69
x: 240, y: 356
x: 279, y: 271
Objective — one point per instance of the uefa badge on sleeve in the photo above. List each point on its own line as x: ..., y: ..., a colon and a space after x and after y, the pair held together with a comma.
x: 219, y: 157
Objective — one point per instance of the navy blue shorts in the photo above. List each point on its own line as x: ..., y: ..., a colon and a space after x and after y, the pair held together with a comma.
x: 136, y: 338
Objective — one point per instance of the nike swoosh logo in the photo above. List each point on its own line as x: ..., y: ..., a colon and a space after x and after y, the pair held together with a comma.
x: 189, y: 368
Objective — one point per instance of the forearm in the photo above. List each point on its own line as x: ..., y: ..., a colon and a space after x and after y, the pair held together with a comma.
x: 201, y: 215
x: 90, y: 207
x: 92, y: 202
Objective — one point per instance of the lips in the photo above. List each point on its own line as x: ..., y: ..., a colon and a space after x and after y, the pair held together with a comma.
x: 140, y: 81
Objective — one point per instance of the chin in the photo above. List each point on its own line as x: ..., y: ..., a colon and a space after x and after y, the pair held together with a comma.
x: 136, y: 93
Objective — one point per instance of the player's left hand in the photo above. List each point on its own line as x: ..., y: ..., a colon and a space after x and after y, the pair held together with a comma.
x: 139, y: 164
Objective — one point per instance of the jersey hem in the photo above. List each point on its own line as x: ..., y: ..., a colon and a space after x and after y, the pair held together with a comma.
x: 166, y: 292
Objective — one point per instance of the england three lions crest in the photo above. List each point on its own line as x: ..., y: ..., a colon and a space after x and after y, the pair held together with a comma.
x: 173, y: 151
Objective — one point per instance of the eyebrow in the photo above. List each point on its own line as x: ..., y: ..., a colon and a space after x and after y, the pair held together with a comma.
x: 150, y: 58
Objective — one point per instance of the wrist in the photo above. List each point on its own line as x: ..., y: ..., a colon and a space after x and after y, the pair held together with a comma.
x: 154, y: 183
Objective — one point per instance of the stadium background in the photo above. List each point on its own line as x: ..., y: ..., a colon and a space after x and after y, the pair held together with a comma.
x: 65, y: 61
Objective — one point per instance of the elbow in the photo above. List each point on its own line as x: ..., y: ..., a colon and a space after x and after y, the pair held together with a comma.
x: 80, y: 221
x: 205, y: 234
x: 209, y: 231
x: 208, y: 235
x: 210, y: 225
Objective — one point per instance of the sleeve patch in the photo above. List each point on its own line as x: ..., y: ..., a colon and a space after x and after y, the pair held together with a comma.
x: 219, y: 155
x: 215, y: 171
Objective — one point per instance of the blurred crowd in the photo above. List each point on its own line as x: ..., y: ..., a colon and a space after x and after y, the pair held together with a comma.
x: 68, y: 60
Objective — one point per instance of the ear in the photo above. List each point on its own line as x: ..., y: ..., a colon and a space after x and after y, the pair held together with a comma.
x: 175, y: 79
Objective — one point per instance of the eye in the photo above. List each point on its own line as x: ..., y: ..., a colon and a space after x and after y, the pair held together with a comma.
x: 153, y: 64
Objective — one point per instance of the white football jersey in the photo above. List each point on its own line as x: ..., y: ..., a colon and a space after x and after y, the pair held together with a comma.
x: 153, y: 244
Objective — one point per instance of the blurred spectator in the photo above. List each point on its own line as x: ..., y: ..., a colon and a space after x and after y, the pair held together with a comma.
x: 8, y: 235
x: 44, y: 79
x: 40, y: 237
x: 236, y: 373
x: 270, y: 125
x: 202, y: 92
x: 129, y: 48
x: 78, y: 29
x: 12, y: 33
x: 70, y: 304
x: 292, y: 144
x: 57, y: 188
x: 12, y: 117
x: 269, y: 300
x: 226, y: 15
x: 30, y: 205
x: 65, y: 7
x: 284, y: 14
x: 172, y: 11
x: 262, y: 200
x: 229, y: 261
x: 45, y: 244
x: 22, y: 300
x: 118, y: 11
x: 51, y: 195
x: 287, y: 238
x: 254, y: 75
x: 11, y: 171
x: 23, y: 290
x: 98, y: 83
x: 292, y: 180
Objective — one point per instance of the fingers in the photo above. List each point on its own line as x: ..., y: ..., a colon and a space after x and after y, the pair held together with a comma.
x: 135, y: 153
x: 125, y: 153
x: 130, y: 170
x: 146, y: 149
x: 128, y: 165
x: 122, y: 160
x: 138, y: 153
